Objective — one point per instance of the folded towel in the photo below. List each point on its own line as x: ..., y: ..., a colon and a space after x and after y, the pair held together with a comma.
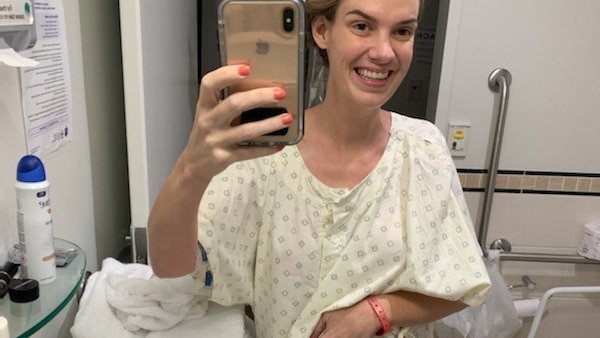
x: 97, y: 317
x: 143, y: 301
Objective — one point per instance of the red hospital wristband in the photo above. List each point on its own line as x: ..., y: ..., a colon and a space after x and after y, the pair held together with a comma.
x: 386, y: 326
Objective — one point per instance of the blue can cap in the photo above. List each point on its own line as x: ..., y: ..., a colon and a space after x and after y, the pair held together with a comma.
x: 30, y: 169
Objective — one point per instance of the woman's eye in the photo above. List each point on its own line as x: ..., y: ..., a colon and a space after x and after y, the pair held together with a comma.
x: 361, y: 26
x: 405, y: 32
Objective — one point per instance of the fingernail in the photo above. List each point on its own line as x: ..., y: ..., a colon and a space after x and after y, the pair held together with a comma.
x: 287, y: 118
x: 244, y: 70
x: 279, y: 93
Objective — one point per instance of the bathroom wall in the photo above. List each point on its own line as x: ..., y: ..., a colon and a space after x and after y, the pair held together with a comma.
x: 548, y: 186
x: 88, y: 177
x: 545, y: 222
x: 68, y: 169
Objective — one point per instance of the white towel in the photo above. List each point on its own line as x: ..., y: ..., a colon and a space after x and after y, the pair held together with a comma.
x: 97, y: 318
x: 143, y: 301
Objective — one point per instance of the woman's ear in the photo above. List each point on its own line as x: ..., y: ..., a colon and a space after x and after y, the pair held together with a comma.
x: 319, y: 27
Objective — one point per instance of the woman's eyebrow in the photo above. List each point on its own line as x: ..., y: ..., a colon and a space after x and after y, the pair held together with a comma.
x: 360, y: 13
x: 370, y: 18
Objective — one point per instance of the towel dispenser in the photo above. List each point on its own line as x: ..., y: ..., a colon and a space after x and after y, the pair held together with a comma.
x: 17, y: 24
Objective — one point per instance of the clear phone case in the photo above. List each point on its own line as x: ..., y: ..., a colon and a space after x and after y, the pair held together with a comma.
x: 269, y: 35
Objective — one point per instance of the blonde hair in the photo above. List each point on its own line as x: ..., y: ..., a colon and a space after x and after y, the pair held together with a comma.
x: 325, y: 8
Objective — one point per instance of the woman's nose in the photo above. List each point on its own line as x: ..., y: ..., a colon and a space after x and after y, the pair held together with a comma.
x: 381, y: 50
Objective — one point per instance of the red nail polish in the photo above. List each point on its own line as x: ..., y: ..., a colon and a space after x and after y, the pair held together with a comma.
x: 244, y: 70
x: 287, y: 118
x: 279, y: 93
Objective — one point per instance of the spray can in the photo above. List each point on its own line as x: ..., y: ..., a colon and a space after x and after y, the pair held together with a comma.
x: 34, y: 220
x: 4, y: 328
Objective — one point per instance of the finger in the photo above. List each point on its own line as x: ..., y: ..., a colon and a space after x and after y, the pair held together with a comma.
x: 252, y: 130
x: 236, y: 103
x: 319, y: 329
x: 213, y: 82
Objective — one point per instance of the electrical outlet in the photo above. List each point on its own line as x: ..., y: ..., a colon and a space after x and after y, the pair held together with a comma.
x: 458, y: 138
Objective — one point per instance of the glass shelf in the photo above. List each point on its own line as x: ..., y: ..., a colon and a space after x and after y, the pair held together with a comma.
x: 24, y: 319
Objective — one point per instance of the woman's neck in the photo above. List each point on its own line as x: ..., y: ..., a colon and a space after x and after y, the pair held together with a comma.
x: 347, y: 125
x: 341, y: 147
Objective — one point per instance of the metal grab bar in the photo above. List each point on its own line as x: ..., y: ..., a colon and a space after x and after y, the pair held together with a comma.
x: 548, y: 294
x: 498, y: 81
x: 506, y: 254
x: 545, y: 258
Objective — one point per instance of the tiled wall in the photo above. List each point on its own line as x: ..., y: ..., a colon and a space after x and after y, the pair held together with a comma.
x: 544, y: 212
x: 533, y: 182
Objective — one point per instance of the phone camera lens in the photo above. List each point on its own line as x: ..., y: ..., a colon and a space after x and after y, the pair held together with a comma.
x: 288, y: 20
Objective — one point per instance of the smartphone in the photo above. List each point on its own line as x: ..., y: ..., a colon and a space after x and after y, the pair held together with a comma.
x: 270, y: 36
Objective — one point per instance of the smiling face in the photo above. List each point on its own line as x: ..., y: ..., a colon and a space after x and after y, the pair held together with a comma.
x: 369, y: 45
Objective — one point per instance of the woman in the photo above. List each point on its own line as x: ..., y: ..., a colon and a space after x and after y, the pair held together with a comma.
x: 360, y: 229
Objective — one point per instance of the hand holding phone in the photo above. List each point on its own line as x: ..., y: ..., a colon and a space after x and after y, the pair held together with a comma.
x: 269, y: 36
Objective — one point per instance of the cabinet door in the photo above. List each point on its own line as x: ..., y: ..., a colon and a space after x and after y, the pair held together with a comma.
x: 550, y: 48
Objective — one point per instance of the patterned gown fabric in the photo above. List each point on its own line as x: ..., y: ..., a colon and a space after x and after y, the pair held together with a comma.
x: 293, y: 248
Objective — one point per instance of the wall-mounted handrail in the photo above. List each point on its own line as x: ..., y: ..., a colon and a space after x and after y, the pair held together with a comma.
x: 506, y: 254
x: 546, y: 258
x: 549, y: 294
x: 499, y: 81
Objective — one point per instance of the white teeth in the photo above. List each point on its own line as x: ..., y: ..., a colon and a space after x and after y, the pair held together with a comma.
x: 372, y: 75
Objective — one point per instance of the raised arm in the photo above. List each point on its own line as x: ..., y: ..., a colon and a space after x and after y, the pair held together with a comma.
x: 212, y: 146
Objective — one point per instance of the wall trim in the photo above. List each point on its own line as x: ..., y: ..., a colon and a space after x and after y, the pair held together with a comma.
x: 533, y: 182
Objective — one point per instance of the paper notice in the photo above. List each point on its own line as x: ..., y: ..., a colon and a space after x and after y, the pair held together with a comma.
x: 46, y: 89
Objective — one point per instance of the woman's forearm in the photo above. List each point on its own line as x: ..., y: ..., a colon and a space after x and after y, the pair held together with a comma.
x: 409, y: 309
x: 172, y: 225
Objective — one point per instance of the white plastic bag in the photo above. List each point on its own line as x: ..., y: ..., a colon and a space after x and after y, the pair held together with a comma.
x: 456, y: 325
x: 496, y: 318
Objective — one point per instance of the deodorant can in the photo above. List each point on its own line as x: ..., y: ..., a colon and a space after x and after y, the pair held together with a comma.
x: 34, y: 220
x: 4, y: 328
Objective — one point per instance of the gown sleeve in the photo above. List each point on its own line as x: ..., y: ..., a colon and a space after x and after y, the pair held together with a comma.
x: 228, y: 233
x: 443, y: 257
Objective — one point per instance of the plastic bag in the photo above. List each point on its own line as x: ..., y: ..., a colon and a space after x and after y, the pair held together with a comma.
x: 496, y: 318
x: 456, y: 325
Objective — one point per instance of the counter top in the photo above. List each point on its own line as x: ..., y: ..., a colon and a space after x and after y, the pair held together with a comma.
x: 24, y: 319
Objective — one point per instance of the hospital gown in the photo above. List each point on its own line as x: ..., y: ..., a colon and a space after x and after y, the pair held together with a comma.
x: 293, y: 248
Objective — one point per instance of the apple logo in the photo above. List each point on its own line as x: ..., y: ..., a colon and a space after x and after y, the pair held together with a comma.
x: 262, y: 47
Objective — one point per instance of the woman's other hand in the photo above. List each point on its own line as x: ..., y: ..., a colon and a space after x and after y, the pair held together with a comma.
x: 357, y: 321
